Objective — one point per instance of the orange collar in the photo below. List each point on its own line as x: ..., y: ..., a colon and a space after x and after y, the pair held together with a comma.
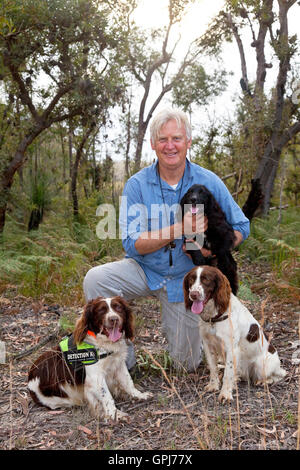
x: 91, y: 333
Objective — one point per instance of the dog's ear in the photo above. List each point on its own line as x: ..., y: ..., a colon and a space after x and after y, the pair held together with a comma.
x: 208, y: 201
x: 222, y: 292
x: 85, y: 322
x: 187, y: 300
x: 82, y: 324
x: 129, y: 319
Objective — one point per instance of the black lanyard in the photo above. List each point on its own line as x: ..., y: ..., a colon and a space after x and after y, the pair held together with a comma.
x: 171, y: 245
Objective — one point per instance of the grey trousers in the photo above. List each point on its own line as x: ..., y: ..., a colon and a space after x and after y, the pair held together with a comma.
x: 179, y: 326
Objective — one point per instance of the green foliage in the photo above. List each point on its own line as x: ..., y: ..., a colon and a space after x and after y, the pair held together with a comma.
x: 197, y: 87
x: 51, y: 262
x: 277, y: 244
x: 146, y: 367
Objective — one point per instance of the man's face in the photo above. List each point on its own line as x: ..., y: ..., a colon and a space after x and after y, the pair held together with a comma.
x: 171, y: 145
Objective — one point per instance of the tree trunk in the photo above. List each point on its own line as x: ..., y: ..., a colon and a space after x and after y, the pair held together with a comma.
x: 6, y: 178
x: 75, y: 167
x: 128, y: 142
x: 139, y: 147
x: 254, y: 200
x: 3, y: 207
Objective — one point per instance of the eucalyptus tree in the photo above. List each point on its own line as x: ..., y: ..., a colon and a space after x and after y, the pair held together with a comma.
x: 155, y: 66
x: 57, y: 60
x: 268, y: 119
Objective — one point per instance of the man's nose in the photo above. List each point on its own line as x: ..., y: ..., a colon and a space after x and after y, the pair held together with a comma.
x: 169, y: 144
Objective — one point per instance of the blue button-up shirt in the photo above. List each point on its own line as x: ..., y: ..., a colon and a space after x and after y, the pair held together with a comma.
x: 140, y: 212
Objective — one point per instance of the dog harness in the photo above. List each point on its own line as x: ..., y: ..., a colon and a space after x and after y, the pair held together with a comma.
x: 80, y: 355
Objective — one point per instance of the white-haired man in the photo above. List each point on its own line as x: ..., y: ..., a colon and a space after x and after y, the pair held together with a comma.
x: 155, y: 262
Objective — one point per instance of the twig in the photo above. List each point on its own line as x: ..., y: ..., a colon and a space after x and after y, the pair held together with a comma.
x: 202, y: 446
x: 27, y: 352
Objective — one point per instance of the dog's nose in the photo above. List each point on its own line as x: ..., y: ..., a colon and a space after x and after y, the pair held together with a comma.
x: 113, y: 320
x: 194, y: 295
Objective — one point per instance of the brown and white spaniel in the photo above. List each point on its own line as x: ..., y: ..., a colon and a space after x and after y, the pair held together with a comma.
x: 94, y: 369
x: 230, y: 332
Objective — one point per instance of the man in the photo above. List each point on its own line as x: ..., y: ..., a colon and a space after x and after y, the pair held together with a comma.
x: 155, y: 261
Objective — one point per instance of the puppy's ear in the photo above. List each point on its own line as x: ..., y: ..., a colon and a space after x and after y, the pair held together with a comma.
x: 187, y: 300
x: 82, y: 324
x: 129, y: 319
x: 222, y: 292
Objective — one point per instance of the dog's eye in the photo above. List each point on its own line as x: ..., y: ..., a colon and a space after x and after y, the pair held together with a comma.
x: 118, y: 307
x: 205, y: 280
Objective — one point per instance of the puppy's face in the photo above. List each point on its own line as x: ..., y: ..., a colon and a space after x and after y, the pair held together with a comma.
x: 197, y: 195
x: 202, y: 284
x: 109, y: 317
x: 199, y: 287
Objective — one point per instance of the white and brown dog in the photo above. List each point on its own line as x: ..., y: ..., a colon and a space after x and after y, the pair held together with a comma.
x: 93, y: 369
x: 229, y: 331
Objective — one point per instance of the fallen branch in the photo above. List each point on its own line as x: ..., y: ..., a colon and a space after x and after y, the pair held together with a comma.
x: 27, y: 352
x: 223, y: 178
x: 279, y: 207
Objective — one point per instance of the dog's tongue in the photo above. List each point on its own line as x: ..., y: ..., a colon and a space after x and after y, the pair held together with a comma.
x: 197, y: 306
x: 194, y: 210
x: 114, y: 334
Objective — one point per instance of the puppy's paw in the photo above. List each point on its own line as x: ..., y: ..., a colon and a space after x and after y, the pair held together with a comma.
x: 225, y: 396
x: 142, y: 395
x: 212, y: 386
x: 146, y: 395
x: 121, y: 416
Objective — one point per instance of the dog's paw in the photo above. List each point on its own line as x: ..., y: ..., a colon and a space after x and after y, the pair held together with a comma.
x: 121, y: 416
x: 212, y: 387
x: 146, y: 395
x: 225, y: 396
x: 142, y: 395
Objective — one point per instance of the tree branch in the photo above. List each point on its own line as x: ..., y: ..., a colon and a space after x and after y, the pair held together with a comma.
x: 24, y: 95
x: 61, y: 92
x: 240, y: 47
x: 289, y: 133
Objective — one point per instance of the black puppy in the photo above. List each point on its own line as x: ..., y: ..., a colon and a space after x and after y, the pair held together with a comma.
x: 219, y: 236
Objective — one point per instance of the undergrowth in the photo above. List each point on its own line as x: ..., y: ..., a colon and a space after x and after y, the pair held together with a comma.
x: 278, y: 244
x: 51, y: 262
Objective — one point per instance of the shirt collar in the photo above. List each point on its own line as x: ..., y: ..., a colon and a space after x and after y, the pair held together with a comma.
x: 152, y: 178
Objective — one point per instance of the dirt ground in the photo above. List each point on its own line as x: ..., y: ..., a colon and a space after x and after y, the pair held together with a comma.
x: 181, y: 415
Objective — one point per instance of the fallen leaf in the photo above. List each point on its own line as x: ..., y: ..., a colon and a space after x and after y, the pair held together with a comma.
x: 84, y: 429
x: 55, y: 412
x: 265, y: 431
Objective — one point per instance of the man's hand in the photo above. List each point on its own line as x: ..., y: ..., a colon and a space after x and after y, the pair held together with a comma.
x: 195, y: 223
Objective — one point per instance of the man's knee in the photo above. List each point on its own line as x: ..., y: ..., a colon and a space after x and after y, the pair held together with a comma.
x: 97, y: 282
x: 89, y: 283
